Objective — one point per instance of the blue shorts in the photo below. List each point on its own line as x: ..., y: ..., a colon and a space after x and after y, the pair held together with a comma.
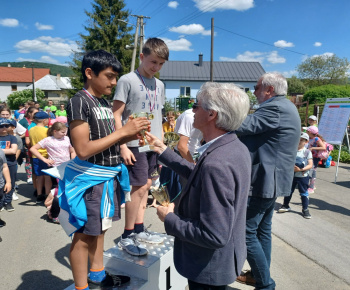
x: 39, y: 165
x: 144, y: 168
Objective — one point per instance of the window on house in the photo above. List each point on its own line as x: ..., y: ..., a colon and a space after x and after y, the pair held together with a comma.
x: 185, y: 91
x: 13, y: 88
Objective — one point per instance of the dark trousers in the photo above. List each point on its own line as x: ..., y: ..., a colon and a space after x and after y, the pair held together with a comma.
x: 13, y: 173
x: 198, y: 286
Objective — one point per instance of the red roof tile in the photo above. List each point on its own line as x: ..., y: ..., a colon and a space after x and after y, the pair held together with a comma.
x: 21, y: 75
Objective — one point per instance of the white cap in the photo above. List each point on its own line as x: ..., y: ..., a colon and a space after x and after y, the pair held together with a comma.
x: 304, y: 136
x: 313, y: 117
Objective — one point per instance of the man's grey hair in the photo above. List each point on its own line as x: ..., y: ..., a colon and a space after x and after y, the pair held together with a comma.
x: 276, y: 80
x: 229, y: 101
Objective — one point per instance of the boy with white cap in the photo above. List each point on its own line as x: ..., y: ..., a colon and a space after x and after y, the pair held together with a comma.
x: 303, y: 164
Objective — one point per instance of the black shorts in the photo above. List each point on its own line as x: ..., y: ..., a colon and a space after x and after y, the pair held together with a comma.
x: 144, y: 168
x: 92, y: 198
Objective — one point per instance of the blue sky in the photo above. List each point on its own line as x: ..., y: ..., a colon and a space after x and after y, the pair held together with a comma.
x: 278, y: 33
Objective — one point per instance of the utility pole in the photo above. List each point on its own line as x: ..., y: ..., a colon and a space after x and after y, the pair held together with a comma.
x: 142, y: 35
x: 212, y: 51
x: 34, y: 93
x: 135, y: 46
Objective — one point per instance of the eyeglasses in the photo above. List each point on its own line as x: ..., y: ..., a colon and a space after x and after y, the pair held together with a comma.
x: 4, y: 126
x: 195, y: 106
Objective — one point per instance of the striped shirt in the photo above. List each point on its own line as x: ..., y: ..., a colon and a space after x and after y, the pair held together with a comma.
x: 97, y: 112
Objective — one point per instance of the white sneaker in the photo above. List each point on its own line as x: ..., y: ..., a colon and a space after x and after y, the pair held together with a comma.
x: 131, y: 246
x: 14, y: 196
x: 147, y: 237
x: 30, y: 181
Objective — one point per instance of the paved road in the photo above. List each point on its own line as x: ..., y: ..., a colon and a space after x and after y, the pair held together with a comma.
x: 307, y: 254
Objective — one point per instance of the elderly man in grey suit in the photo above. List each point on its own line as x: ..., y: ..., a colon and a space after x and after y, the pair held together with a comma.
x: 272, y: 135
x: 209, y: 228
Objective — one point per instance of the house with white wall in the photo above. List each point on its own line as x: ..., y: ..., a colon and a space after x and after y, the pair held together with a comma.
x: 14, y: 79
x: 184, y: 78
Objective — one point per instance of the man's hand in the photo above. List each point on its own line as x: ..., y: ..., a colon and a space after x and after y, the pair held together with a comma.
x: 162, y: 211
x: 159, y: 146
x: 134, y: 126
x: 127, y: 155
x: 7, y: 187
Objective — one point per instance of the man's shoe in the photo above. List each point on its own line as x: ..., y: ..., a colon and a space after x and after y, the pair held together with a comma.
x: 110, y: 281
x: 306, y: 214
x: 40, y: 198
x: 132, y: 246
x: 147, y: 237
x: 2, y: 223
x: 14, y: 196
x: 246, y: 278
x: 284, y: 209
x: 9, y: 207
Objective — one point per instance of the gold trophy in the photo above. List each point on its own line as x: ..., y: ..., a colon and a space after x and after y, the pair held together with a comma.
x: 149, y: 116
x: 161, y: 195
x: 171, y: 139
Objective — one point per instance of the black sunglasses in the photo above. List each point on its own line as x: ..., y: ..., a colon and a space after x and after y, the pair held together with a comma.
x: 195, y: 106
x: 5, y: 126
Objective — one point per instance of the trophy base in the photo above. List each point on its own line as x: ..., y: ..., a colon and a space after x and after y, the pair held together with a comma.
x: 146, y: 148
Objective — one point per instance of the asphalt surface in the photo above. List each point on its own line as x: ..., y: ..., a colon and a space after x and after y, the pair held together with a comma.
x: 306, y: 254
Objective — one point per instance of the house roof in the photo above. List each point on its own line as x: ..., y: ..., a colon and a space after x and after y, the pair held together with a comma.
x: 52, y: 83
x: 21, y: 75
x: 224, y: 71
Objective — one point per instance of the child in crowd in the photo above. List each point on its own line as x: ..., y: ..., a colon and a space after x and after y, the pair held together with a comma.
x: 59, y: 150
x: 302, y: 166
x: 96, y: 142
x: 316, y: 144
x: 8, y: 144
x: 36, y: 134
x: 139, y: 91
x: 312, y: 121
x: 169, y: 125
x: 5, y: 186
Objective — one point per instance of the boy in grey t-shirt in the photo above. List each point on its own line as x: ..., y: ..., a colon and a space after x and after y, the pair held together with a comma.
x: 136, y: 92
x: 302, y: 166
x: 5, y: 185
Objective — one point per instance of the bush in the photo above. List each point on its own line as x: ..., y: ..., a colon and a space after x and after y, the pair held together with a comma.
x: 320, y: 94
x: 20, y: 97
x: 344, y: 155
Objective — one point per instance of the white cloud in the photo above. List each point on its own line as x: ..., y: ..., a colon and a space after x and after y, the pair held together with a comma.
x: 190, y: 29
x: 40, y: 26
x: 44, y: 58
x: 210, y: 5
x: 326, y: 54
x: 53, y: 46
x: 9, y: 22
x: 178, y: 45
x: 283, y: 44
x: 317, y: 43
x: 173, y: 4
x: 271, y: 57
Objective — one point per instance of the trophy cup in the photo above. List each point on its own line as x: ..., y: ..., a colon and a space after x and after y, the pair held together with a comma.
x: 149, y: 116
x: 161, y: 195
x: 171, y: 139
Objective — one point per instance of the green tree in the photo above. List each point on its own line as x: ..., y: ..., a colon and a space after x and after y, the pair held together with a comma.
x: 20, y: 97
x: 295, y: 86
x: 323, y: 70
x: 252, y: 99
x: 104, y: 31
x: 320, y: 94
x: 169, y: 105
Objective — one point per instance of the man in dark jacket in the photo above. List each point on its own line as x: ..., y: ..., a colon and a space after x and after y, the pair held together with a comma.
x: 209, y: 228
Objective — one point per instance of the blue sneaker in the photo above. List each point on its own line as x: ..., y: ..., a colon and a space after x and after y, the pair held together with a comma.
x: 132, y: 246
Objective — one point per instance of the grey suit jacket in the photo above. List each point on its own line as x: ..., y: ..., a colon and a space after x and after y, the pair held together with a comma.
x: 272, y: 136
x: 209, y: 229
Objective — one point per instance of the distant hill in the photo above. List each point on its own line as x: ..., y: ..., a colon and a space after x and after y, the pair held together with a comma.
x: 54, y: 68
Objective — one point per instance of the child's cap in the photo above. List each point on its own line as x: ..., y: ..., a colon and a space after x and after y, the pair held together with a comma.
x: 61, y: 119
x: 312, y: 129
x: 13, y: 123
x: 4, y: 121
x: 41, y: 115
x: 304, y: 136
x: 313, y: 117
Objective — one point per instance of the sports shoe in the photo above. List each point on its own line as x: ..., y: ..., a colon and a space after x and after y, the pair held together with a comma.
x: 110, y: 281
x: 147, y: 237
x: 9, y: 207
x: 306, y: 214
x: 30, y: 181
x: 310, y: 190
x: 283, y: 209
x: 55, y: 220
x: 2, y: 223
x: 246, y: 278
x: 40, y: 198
x: 14, y: 196
x: 132, y: 246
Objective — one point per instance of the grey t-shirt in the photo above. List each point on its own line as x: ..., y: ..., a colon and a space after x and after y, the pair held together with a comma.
x: 2, y: 161
x: 138, y: 98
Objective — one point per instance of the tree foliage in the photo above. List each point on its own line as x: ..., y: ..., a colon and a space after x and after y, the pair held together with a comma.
x: 252, y: 99
x: 295, y: 86
x: 323, y: 70
x: 20, y: 97
x: 104, y: 31
x: 320, y: 94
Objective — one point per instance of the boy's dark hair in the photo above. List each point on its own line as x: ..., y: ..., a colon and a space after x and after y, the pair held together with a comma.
x: 157, y: 46
x: 99, y: 60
